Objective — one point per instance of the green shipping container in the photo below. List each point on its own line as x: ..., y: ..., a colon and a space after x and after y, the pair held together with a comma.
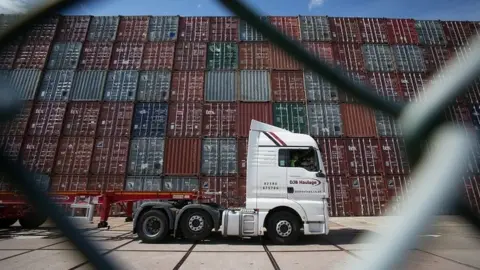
x: 222, y: 55
x: 290, y: 116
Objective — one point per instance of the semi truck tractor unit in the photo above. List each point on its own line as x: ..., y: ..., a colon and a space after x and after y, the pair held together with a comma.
x: 287, y: 192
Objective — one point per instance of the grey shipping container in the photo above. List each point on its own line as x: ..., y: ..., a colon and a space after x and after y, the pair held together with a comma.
x: 219, y: 156
x: 378, y: 58
x: 56, y: 85
x: 103, y: 28
x: 121, y: 85
x: 255, y: 85
x: 25, y: 82
x: 250, y: 33
x: 146, y: 156
x: 315, y: 28
x: 430, y: 32
x: 153, y: 86
x: 143, y: 183
x: 175, y: 183
x: 88, y: 85
x: 319, y: 89
x: 65, y: 55
x: 387, y: 125
x: 221, y: 86
x: 409, y: 58
x: 222, y: 55
x: 163, y: 28
x: 325, y: 120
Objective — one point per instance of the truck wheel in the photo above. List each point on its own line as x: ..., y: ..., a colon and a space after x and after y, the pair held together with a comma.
x: 32, y: 221
x: 7, y: 222
x: 283, y: 228
x: 153, y: 226
x: 196, y: 224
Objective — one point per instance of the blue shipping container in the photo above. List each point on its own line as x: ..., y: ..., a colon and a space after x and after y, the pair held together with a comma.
x: 150, y: 120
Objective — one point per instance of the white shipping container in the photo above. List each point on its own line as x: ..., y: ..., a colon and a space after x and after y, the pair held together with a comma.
x: 121, y: 85
x: 255, y: 85
x: 56, y: 85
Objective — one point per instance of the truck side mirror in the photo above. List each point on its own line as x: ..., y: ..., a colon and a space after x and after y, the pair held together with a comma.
x: 320, y: 174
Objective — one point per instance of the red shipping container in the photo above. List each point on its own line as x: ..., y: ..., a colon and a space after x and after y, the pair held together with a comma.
x: 472, y: 191
x: 13, y: 146
x: 369, y: 195
x: 459, y: 114
x: 39, y: 153
x: 364, y: 156
x: 394, y: 156
x: 223, y: 190
x: 282, y: 61
x: 334, y: 155
x: 321, y: 50
x: 69, y: 183
x: 458, y: 33
x: 18, y: 125
x: 187, y: 86
x: 190, y: 56
x: 220, y: 120
x: 287, y: 86
x: 110, y: 155
x: 184, y: 120
x: 247, y: 112
x: 224, y: 28
x: 127, y: 56
x: 158, y: 55
x: 47, y: 118
x: 115, y: 119
x: 373, y: 30
x: 386, y: 84
x: 398, y: 187
x: 43, y: 31
x: 194, y: 29
x: 412, y: 86
x: 358, y: 120
x: 182, y: 156
x: 133, y: 28
x: 254, y: 55
x: 32, y: 55
x: 7, y: 56
x: 340, y: 202
x: 81, y: 119
x: 401, y: 31
x: 289, y: 26
x: 345, y: 30
x: 73, y: 28
x: 436, y: 57
x: 74, y: 155
x: 95, y: 55
x: 242, y: 153
x: 349, y: 56
x: 108, y: 183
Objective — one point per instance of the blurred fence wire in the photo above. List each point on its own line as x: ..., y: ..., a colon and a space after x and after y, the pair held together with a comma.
x: 442, y: 169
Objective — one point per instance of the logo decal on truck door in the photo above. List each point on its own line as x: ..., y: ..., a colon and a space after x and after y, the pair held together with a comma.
x: 312, y: 182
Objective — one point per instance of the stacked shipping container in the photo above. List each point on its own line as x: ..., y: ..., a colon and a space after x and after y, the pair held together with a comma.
x: 164, y: 103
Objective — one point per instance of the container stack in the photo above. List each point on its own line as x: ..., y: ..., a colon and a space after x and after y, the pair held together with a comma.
x: 164, y: 103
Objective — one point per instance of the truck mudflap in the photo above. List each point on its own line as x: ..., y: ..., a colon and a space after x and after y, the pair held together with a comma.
x: 213, y: 212
x: 153, y: 205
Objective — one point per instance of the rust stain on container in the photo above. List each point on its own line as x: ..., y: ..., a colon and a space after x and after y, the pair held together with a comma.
x: 39, y: 153
x: 369, y: 195
x: 282, y: 61
x: 334, y: 155
x: 126, y: 56
x: 133, y: 28
x: 74, y: 155
x: 262, y: 112
x: 224, y: 190
x: 190, y: 56
x: 187, y: 86
x: 289, y: 26
x: 358, y: 121
x: 184, y: 120
x: 288, y: 86
x: 32, y: 55
x: 340, y: 202
x: 81, y: 119
x: 18, y: 125
x: 349, y: 56
x: 108, y: 183
x: 220, y: 120
x: 182, y: 156
x: 254, y: 55
x: 73, y: 28
x: 47, y: 118
x: 224, y: 28
x: 158, y: 55
x: 110, y: 155
x: 95, y: 55
x: 115, y: 119
x: 69, y: 183
x: 194, y: 29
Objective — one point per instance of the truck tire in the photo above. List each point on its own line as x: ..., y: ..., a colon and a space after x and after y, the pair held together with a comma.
x: 7, y: 222
x: 283, y: 228
x: 196, y: 224
x: 32, y: 221
x: 152, y: 226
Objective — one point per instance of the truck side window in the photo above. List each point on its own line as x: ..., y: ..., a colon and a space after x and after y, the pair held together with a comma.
x: 303, y: 158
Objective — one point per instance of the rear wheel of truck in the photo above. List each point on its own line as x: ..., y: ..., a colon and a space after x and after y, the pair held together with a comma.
x: 152, y: 226
x: 7, y: 222
x: 283, y: 228
x: 196, y: 224
x: 32, y: 220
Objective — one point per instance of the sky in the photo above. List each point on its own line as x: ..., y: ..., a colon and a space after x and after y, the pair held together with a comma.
x: 417, y: 9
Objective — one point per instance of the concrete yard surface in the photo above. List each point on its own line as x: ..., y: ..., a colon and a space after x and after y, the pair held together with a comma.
x: 450, y: 243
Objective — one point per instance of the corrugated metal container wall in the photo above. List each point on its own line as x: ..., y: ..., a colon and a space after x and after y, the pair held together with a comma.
x: 95, y: 55
x: 56, y: 85
x: 190, y: 56
x: 345, y: 30
x: 458, y: 33
x: 289, y: 26
x: 224, y: 28
x: 358, y: 77
x: 250, y: 33
x: 475, y: 26
x: 150, y: 120
x: 146, y: 156
x: 387, y: 125
x: 349, y: 56
x: 358, y: 120
x: 74, y: 155
x: 73, y: 28
x: 473, y: 94
x: 226, y: 186
x: 409, y: 58
x: 430, y: 32
x: 321, y: 50
x: 254, y: 85
x: 221, y: 86
x: 47, y: 118
x: 398, y: 188
x: 32, y: 55
x: 39, y: 153
x: 182, y: 156
x: 324, y: 120
x: 262, y: 112
x: 179, y: 184
x: 219, y: 120
x: 369, y: 195
x: 378, y: 58
x: 459, y: 114
x: 472, y: 191
x: 13, y: 146
x: 222, y: 56
x: 401, y: 31
x: 25, y: 82
x: 334, y: 155
x: 412, y: 85
x: 290, y: 116
x: 110, y: 155
x: 242, y: 153
x: 69, y: 183
x: 364, y: 156
x: 435, y: 57
x: 43, y: 31
x: 158, y: 55
x: 121, y: 85
x: 187, y: 86
x: 394, y: 156
x: 474, y: 160
x: 319, y: 89
x: 163, y: 28
x: 153, y: 86
x: 254, y: 55
x: 115, y: 119
x: 475, y: 115
x: 219, y: 156
x: 340, y: 198
x: 143, y: 183
x: 81, y: 119
x: 88, y: 85
x: 282, y: 61
x: 127, y: 55
x: 184, y: 120
x: 107, y: 183
x: 315, y: 28
x: 194, y: 29
x: 103, y: 28
x: 7, y: 56
x: 133, y: 29
x: 18, y: 125
x: 65, y: 55
x: 386, y: 84
x: 373, y: 30
x: 287, y: 86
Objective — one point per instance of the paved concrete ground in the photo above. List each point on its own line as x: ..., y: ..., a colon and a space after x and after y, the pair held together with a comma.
x: 450, y: 244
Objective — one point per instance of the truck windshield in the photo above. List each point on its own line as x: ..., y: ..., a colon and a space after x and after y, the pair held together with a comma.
x: 303, y: 158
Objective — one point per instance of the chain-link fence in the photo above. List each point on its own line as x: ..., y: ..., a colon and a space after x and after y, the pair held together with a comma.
x: 442, y: 170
